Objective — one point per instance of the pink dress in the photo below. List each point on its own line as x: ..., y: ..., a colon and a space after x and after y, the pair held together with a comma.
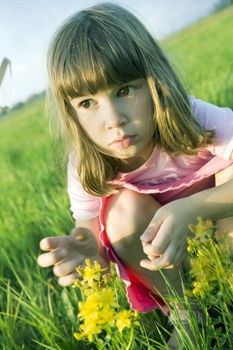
x: 167, y: 178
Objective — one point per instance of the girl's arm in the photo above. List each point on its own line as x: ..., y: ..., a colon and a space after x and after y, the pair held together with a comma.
x: 65, y: 253
x: 93, y: 227
x: 226, y: 224
x: 166, y: 235
x: 217, y: 202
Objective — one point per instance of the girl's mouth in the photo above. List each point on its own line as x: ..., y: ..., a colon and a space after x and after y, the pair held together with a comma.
x: 123, y: 142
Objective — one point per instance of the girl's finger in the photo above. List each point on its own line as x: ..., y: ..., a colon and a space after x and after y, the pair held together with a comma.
x: 164, y: 261
x: 176, y: 258
x: 148, y: 264
x: 152, y: 257
x: 65, y: 281
x: 179, y: 255
x: 50, y: 243
x: 67, y: 267
x: 149, y: 250
x: 151, y: 231
x: 167, y: 260
x: 161, y: 242
x: 51, y: 258
x: 152, y: 265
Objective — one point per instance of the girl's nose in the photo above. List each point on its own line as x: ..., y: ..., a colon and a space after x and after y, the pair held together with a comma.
x: 114, y: 115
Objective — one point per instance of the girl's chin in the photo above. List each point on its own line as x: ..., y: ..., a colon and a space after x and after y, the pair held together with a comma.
x: 123, y: 154
x: 126, y: 156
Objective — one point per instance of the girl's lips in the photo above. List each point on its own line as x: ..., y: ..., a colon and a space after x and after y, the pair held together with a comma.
x: 123, y: 142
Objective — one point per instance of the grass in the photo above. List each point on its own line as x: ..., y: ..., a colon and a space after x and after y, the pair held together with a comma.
x: 203, y: 53
x: 36, y: 313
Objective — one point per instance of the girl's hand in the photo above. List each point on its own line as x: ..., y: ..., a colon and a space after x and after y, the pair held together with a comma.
x: 67, y: 252
x: 165, y: 239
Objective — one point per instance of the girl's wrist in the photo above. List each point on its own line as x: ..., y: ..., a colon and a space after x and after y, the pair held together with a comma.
x: 103, y: 261
x: 215, y: 203
x: 199, y: 207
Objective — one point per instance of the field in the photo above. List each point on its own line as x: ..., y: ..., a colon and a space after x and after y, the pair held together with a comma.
x: 36, y: 313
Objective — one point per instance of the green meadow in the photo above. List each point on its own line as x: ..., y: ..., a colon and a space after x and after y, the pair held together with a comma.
x: 35, y: 312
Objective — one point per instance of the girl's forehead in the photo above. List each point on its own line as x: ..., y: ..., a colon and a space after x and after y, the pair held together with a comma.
x: 110, y: 88
x: 92, y: 70
x: 107, y: 91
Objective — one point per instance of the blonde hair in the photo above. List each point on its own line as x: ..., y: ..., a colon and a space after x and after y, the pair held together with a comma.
x: 106, y: 45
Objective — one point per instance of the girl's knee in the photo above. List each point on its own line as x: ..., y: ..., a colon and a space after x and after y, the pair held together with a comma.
x: 128, y: 213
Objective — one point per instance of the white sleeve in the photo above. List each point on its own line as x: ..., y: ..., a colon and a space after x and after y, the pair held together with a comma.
x: 219, y: 119
x: 83, y: 205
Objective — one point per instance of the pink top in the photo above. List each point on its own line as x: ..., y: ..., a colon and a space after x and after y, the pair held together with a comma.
x: 168, y: 178
x: 164, y: 171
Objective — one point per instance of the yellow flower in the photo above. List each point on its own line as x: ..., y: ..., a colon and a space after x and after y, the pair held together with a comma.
x: 107, y: 316
x: 193, y: 246
x: 97, y: 306
x: 86, y: 308
x: 92, y: 273
x: 123, y: 319
x: 107, y: 278
x: 201, y: 288
x: 88, y: 330
x: 78, y: 336
x: 99, y: 310
x: 202, y: 226
x: 107, y: 297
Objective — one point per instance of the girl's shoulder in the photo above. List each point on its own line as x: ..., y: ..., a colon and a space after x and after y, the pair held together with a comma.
x: 83, y: 205
x: 210, y: 116
x: 219, y: 119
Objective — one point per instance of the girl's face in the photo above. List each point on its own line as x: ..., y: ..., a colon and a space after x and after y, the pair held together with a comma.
x: 119, y: 121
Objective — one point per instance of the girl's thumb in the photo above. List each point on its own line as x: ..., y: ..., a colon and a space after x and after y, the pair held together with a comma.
x: 81, y: 233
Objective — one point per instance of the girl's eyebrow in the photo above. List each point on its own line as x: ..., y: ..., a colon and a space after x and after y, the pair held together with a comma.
x: 82, y: 96
x: 113, y: 87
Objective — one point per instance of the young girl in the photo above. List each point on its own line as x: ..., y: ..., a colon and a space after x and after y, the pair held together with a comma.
x: 145, y: 159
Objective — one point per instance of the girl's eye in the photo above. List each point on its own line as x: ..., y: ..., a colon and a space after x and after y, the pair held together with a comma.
x: 86, y: 104
x: 125, y: 91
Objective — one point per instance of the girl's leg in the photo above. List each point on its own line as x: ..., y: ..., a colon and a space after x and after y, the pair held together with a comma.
x: 128, y: 214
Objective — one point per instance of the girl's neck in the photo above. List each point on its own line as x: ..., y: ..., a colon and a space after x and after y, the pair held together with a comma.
x: 131, y: 164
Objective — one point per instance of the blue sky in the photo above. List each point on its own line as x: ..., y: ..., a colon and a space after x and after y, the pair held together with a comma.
x: 26, y: 28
